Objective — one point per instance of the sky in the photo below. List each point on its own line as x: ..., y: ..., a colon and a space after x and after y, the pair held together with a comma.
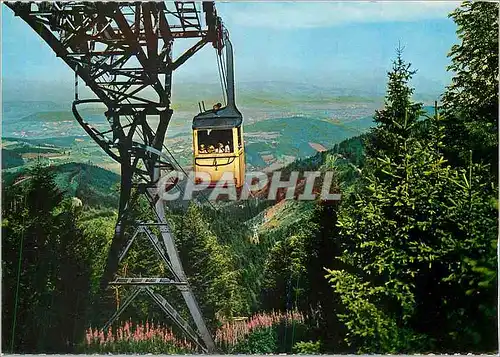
x: 342, y: 44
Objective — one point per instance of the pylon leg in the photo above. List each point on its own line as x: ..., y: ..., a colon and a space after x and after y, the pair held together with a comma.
x: 186, y: 291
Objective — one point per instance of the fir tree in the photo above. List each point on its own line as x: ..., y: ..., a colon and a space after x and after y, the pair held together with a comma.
x: 209, y: 267
x: 407, y: 236
x: 398, y: 107
x: 471, y: 101
x: 46, y: 268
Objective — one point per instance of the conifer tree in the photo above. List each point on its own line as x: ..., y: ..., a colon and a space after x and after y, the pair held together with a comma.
x: 407, y: 235
x: 209, y: 266
x: 471, y: 101
x: 398, y: 107
x: 46, y: 268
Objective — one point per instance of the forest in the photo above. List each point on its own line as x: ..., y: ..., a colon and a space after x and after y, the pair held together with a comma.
x: 405, y: 263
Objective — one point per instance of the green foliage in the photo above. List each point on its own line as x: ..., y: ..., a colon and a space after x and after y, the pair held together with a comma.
x: 209, y: 266
x: 370, y: 329
x: 471, y: 101
x: 11, y: 159
x: 307, y: 348
x: 409, y: 236
x: 46, y: 268
x: 235, y: 225
x: 352, y: 149
x: 278, y: 337
x: 294, y: 275
x: 400, y: 113
x: 285, y: 266
x: 285, y: 230
x: 260, y: 341
x: 98, y: 229
x: 92, y: 184
x: 411, y: 251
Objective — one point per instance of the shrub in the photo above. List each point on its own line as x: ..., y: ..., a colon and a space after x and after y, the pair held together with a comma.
x: 261, y: 340
x: 307, y: 348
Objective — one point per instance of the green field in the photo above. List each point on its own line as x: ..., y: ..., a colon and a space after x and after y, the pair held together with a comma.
x: 293, y: 136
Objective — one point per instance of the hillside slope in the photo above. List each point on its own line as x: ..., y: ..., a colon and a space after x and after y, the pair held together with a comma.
x: 94, y: 185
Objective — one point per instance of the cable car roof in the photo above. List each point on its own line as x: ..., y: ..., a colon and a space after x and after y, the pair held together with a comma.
x: 225, y: 118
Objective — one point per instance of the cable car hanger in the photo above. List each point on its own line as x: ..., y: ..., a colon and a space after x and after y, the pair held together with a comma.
x: 230, y: 114
x: 225, y: 122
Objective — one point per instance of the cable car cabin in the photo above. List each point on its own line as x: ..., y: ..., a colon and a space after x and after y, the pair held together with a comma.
x: 218, y: 133
x: 218, y: 144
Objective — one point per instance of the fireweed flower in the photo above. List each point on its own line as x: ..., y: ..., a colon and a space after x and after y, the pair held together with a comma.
x: 140, y: 337
x: 233, y: 332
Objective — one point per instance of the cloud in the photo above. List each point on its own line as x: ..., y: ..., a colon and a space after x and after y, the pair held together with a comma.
x: 289, y: 15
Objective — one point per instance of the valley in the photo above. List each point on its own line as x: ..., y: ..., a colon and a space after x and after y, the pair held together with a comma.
x: 279, y: 127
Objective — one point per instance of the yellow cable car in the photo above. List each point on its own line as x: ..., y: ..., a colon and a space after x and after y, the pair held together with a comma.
x: 218, y: 145
x: 218, y: 135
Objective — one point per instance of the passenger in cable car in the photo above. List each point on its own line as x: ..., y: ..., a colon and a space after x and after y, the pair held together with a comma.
x: 217, y: 107
x: 227, y: 148
x: 202, y: 149
x: 221, y: 148
x: 211, y: 149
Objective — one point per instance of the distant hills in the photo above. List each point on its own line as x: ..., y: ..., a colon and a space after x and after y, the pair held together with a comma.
x: 94, y: 185
x: 305, y: 115
x: 58, y: 95
x: 291, y: 138
x: 283, y: 121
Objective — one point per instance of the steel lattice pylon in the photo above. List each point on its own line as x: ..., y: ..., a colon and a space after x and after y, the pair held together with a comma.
x: 123, y: 53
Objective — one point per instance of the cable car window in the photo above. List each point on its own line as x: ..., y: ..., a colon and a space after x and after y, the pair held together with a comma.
x: 240, y: 138
x: 215, y: 141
